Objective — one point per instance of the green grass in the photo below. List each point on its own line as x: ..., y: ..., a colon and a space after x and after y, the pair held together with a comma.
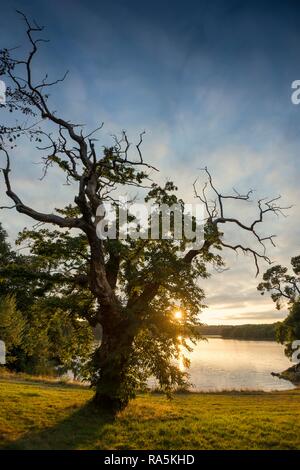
x: 56, y: 416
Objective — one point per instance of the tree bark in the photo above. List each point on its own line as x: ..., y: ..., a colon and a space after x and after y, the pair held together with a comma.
x: 112, y: 362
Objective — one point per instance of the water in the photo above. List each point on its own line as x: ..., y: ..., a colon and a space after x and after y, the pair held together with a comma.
x: 225, y: 364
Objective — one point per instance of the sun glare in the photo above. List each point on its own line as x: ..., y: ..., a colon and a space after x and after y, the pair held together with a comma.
x: 178, y: 314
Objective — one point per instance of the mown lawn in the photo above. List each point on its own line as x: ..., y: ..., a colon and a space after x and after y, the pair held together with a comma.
x: 51, y: 416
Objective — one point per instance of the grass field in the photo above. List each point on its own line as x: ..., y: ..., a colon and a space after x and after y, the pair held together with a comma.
x: 56, y: 416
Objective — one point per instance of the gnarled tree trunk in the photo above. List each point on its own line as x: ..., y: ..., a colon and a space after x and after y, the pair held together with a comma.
x: 111, y: 363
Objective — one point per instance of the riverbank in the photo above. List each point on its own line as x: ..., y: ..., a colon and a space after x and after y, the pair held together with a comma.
x: 47, y: 415
x: 292, y: 374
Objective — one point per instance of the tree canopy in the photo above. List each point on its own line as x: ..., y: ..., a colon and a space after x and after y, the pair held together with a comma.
x: 285, y: 290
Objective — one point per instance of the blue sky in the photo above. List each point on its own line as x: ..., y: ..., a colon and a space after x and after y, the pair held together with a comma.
x: 210, y: 82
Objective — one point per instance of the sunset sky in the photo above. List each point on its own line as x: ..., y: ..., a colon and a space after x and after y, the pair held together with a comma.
x: 209, y: 81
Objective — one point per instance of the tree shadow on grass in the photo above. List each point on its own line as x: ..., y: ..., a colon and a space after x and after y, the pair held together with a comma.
x: 80, y: 430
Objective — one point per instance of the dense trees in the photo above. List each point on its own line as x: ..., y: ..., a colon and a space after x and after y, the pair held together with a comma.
x: 12, y: 328
x: 136, y: 284
x: 250, y: 332
x: 39, y: 321
x: 257, y: 332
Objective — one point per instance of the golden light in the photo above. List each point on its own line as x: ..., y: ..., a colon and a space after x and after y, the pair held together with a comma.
x: 178, y: 314
x: 181, y: 364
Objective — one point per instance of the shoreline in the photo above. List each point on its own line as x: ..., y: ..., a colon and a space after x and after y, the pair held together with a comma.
x: 292, y: 374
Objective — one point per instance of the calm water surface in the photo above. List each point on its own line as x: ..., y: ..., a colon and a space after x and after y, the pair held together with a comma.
x: 225, y: 364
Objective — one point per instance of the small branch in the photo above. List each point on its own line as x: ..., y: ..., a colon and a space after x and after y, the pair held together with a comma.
x: 244, y: 249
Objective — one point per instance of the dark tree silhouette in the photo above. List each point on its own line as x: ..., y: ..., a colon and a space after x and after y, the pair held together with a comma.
x: 284, y: 287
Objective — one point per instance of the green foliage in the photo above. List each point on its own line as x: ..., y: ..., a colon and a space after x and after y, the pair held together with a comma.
x: 42, y: 312
x: 25, y: 277
x: 44, y: 340
x: 56, y: 342
x: 12, y: 327
x: 289, y: 330
x: 285, y: 287
x: 5, y: 250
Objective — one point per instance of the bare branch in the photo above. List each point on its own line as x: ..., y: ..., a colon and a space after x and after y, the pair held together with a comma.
x: 139, y: 144
x: 39, y: 216
x: 244, y: 249
x: 215, y: 210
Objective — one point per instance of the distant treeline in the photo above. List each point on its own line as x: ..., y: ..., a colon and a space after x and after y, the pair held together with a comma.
x: 254, y: 332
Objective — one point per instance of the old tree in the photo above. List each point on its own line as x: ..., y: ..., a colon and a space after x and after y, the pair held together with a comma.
x: 137, y: 284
